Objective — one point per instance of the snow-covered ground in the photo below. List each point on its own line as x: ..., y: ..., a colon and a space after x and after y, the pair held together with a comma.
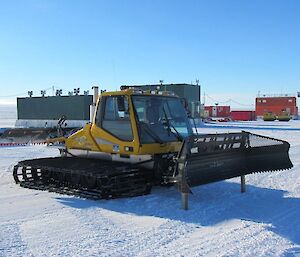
x: 264, y: 221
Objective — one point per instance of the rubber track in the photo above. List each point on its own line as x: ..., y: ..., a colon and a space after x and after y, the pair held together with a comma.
x: 88, y: 178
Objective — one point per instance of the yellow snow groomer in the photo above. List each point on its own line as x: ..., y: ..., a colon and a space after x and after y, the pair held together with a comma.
x: 284, y: 116
x: 138, y: 139
x: 269, y: 116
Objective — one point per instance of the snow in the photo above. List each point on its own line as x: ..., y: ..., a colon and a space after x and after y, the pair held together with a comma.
x: 264, y: 221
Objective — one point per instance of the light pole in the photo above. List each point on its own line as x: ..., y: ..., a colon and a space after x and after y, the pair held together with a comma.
x: 161, y: 83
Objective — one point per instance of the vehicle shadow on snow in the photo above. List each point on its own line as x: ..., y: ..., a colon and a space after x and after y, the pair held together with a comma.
x: 211, y: 204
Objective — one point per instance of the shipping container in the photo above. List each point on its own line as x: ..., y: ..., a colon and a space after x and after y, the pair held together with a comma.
x: 218, y: 111
x: 243, y: 115
x: 275, y: 105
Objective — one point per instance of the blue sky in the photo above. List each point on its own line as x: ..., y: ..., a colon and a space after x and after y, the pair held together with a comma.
x: 235, y: 48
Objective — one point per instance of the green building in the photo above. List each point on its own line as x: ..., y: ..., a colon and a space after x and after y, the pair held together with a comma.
x: 192, y: 93
x: 47, y: 110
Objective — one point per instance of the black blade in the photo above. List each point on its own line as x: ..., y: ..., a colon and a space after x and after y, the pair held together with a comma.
x: 214, y: 157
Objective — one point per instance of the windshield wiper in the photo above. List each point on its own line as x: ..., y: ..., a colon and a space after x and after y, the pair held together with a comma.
x: 151, y: 133
x: 171, y: 126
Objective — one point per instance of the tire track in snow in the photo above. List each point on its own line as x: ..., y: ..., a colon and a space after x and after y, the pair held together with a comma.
x: 108, y: 239
x: 233, y: 238
x: 58, y: 235
x: 119, y: 240
x: 11, y: 243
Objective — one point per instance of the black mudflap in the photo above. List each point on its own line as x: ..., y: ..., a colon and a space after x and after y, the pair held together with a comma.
x: 213, y: 157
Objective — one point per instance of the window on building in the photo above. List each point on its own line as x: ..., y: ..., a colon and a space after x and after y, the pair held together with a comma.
x: 290, y: 100
x: 264, y: 100
x: 116, y: 120
x: 259, y: 100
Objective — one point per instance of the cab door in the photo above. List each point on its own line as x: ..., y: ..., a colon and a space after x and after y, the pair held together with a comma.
x: 112, y: 129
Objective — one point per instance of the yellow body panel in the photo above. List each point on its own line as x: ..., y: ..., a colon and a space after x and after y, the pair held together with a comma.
x: 94, y: 138
x: 82, y: 140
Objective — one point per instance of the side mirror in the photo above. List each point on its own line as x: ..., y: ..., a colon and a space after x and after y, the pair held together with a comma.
x: 121, y: 104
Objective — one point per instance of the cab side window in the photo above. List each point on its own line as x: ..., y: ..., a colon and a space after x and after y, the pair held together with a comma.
x: 116, y: 119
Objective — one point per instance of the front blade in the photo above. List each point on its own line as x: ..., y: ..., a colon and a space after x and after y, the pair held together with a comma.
x: 214, y: 157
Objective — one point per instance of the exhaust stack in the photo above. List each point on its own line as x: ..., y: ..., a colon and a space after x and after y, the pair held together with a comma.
x: 93, y: 105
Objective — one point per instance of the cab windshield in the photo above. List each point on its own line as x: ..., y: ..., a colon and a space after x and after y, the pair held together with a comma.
x: 161, y: 119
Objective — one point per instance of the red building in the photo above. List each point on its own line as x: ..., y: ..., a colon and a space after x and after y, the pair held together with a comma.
x: 243, y: 115
x: 276, y: 104
x: 217, y: 111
